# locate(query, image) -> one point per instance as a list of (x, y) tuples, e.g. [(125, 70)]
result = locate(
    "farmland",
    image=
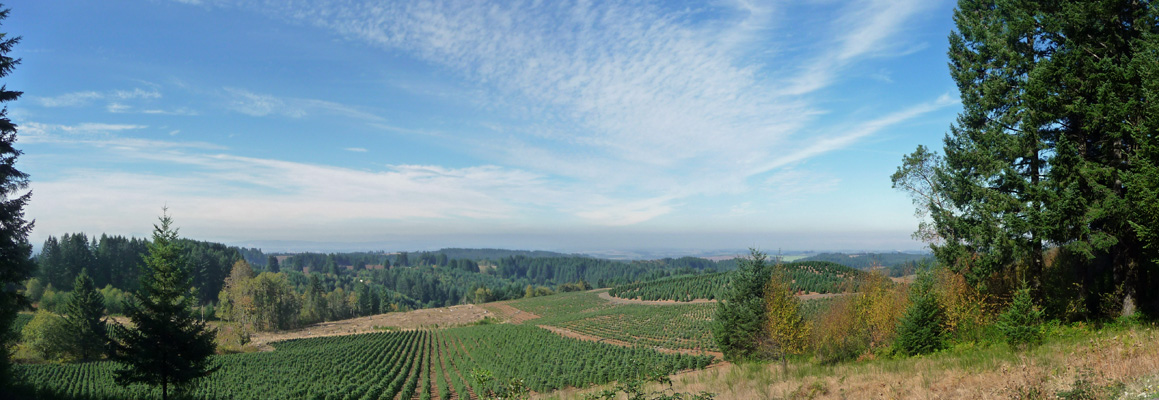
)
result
[(423, 363), (807, 277), (676, 326)]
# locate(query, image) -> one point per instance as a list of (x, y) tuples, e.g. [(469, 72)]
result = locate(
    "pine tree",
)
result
[(83, 316), (168, 345), (15, 252), (922, 327), (740, 322)]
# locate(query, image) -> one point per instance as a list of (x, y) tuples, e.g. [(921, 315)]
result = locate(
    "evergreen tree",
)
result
[(922, 327), (272, 264), (365, 302), (15, 252), (740, 322), (83, 316), (1051, 147), (1021, 324), (168, 344)]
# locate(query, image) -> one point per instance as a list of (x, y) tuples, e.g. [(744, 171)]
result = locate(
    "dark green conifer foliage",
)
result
[(1054, 147), (741, 319), (168, 345), (83, 317), (272, 264), (922, 327), (15, 252), (1021, 324)]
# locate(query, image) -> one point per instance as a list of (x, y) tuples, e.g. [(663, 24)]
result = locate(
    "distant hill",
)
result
[(865, 261), (495, 254)]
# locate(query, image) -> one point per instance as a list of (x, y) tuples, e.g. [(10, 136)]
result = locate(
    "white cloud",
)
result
[(262, 105), (866, 28), (78, 99), (356, 149), (244, 195), (70, 99), (623, 97)]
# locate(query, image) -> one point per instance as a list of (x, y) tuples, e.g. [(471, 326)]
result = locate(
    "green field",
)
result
[(805, 276), (423, 364)]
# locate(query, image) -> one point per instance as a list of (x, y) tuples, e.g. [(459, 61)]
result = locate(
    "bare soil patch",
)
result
[(508, 313), (417, 319)]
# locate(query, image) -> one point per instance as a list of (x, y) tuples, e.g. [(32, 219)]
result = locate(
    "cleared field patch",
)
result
[(418, 319)]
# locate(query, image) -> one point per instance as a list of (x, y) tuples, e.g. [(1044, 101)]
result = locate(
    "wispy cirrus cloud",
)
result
[(77, 99), (262, 105), (644, 104)]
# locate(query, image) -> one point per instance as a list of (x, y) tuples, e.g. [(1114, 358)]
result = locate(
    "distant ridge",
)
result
[(495, 254)]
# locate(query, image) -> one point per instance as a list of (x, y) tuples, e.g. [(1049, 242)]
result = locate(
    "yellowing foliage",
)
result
[(787, 333)]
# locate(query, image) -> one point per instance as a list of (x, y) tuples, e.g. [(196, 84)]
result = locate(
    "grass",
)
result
[(1076, 362)]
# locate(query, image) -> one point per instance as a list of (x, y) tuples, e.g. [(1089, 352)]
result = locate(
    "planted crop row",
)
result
[(546, 361), (389, 365), (679, 327)]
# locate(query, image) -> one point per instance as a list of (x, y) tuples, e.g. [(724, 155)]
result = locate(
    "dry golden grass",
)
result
[(1128, 357)]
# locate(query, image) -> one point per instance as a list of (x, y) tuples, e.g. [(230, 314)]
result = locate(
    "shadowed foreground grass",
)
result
[(1076, 363)]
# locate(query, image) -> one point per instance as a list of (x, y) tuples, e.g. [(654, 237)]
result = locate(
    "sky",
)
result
[(555, 125)]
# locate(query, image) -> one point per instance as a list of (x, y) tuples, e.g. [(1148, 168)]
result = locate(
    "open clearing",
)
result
[(425, 318)]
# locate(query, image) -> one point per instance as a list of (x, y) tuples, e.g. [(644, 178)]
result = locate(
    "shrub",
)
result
[(46, 336), (1021, 322), (859, 323)]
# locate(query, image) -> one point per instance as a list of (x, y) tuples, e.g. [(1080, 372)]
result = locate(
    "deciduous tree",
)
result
[(787, 331)]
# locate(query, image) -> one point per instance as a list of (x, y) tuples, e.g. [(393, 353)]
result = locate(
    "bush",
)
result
[(1021, 323), (860, 323), (46, 336)]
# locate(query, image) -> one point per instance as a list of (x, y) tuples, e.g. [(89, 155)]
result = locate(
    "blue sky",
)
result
[(520, 124)]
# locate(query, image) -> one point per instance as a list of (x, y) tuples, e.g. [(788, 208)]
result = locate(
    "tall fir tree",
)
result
[(168, 344), (16, 264), (84, 314), (740, 323), (1143, 181), (1053, 146), (996, 154), (1093, 85)]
